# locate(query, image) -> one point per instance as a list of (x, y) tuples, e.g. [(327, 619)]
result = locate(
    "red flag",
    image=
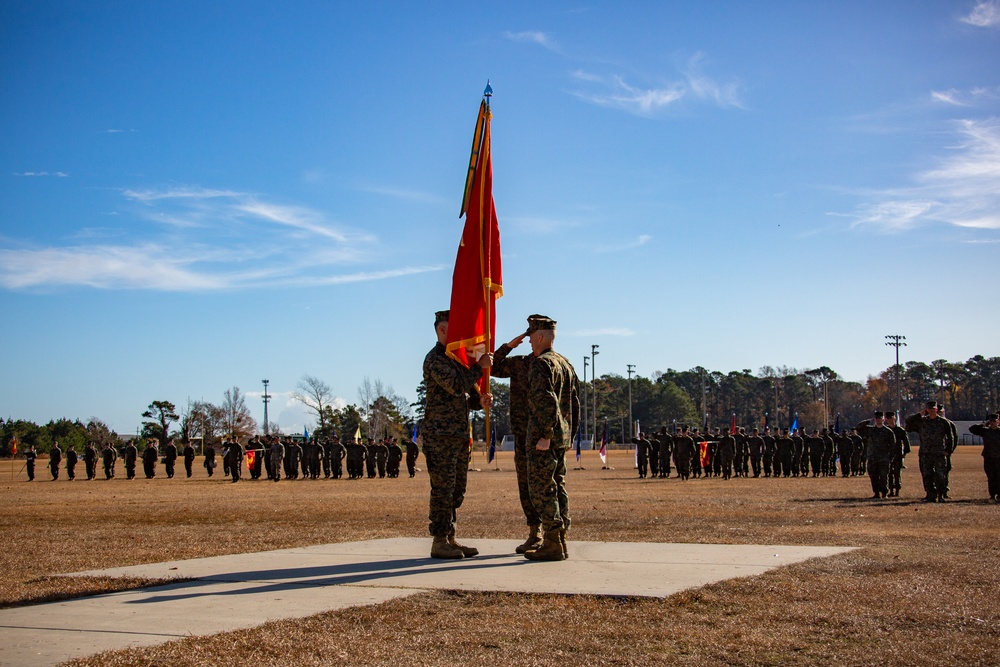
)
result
[(251, 457), (732, 424), (13, 446), (477, 281), (703, 453)]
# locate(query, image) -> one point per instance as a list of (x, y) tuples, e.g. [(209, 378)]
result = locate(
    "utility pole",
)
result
[(267, 399), (896, 341), (586, 424), (631, 423), (593, 380)]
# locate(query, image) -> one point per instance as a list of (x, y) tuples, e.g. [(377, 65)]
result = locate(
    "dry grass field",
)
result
[(924, 589)]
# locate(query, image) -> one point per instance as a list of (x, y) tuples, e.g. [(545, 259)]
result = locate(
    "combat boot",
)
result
[(441, 548), (562, 543), (551, 548), (533, 542), (468, 552)]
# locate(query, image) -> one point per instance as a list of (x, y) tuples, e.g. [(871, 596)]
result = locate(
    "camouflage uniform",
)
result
[(445, 430), (55, 458), (516, 368), (684, 450), (131, 456), (783, 456), (769, 450), (277, 456), (882, 446), (412, 451), (90, 460), (641, 454), (666, 449), (553, 413), (188, 459), (149, 458), (896, 465), (726, 454), (991, 457), (755, 447), (71, 459), (395, 456), (169, 458), (936, 443)]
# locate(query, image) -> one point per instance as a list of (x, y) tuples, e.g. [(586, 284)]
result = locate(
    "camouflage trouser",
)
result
[(642, 463), (664, 461), (683, 463), (547, 486), (894, 472), (725, 462), (934, 470), (784, 467), (878, 472), (992, 467), (447, 460), (523, 492)]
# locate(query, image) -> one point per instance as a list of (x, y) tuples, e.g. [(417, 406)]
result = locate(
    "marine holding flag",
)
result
[(451, 393), (458, 366)]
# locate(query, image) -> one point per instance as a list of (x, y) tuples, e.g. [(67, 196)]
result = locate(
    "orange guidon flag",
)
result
[(477, 282)]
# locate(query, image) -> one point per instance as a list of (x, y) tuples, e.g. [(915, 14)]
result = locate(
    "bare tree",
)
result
[(315, 395), (237, 420)]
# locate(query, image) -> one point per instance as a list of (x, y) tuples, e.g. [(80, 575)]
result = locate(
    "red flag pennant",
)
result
[(477, 282)]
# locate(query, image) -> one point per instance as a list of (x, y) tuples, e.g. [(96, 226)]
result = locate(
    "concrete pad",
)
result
[(246, 590)]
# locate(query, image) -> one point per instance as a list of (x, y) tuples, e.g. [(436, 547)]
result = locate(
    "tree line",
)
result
[(813, 398)]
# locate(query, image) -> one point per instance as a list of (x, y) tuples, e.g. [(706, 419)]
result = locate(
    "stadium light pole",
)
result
[(896, 341), (267, 398), (586, 424), (631, 424), (593, 379)]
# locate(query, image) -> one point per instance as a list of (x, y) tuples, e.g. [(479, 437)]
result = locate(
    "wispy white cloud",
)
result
[(641, 240), (986, 14), (57, 174), (608, 331), (534, 37), (962, 190), (966, 98), (615, 92), (202, 239), (138, 267), (948, 97)]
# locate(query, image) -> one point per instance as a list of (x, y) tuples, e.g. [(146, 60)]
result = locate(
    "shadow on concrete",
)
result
[(282, 579)]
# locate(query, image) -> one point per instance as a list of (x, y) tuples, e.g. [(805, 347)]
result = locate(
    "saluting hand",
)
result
[(514, 342)]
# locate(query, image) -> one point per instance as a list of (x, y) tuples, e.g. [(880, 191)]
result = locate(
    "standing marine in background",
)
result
[(900, 452), (55, 458), (936, 445), (990, 433), (131, 456), (188, 459)]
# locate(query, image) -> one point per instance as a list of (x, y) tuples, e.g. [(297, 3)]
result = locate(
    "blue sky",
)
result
[(195, 196)]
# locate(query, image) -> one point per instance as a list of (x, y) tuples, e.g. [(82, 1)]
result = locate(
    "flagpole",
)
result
[(487, 94)]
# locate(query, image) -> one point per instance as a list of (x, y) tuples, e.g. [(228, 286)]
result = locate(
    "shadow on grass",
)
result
[(888, 502), (101, 588), (372, 573)]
